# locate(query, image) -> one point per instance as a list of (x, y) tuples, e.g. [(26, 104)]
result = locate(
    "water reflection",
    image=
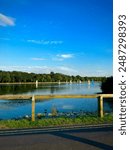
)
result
[(19, 108), (108, 103), (16, 89), (83, 88)]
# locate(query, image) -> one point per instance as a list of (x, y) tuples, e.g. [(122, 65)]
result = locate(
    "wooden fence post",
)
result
[(33, 108), (100, 106)]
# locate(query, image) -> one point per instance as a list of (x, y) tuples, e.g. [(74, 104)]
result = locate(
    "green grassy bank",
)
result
[(53, 122)]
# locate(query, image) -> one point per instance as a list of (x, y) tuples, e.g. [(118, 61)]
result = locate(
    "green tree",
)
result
[(6, 77), (52, 75), (107, 86)]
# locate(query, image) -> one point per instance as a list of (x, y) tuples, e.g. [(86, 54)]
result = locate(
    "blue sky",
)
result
[(68, 36)]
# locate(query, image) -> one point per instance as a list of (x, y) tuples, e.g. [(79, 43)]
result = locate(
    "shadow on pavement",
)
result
[(85, 141), (66, 134)]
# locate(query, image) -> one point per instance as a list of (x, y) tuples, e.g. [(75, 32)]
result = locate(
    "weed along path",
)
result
[(84, 138)]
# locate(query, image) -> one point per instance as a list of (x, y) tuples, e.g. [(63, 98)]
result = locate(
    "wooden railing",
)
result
[(44, 97)]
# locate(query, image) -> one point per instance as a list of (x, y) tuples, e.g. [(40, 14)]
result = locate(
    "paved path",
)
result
[(97, 138)]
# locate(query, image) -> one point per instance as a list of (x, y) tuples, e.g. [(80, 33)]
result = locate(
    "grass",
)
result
[(53, 122)]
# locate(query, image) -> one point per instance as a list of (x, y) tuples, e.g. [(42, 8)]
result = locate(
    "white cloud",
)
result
[(6, 20), (66, 69), (61, 57), (38, 59), (35, 69), (40, 69), (45, 42), (65, 56)]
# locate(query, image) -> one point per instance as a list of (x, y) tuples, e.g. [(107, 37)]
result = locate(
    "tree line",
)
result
[(17, 76)]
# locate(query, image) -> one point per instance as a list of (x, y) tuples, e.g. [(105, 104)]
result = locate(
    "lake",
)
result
[(10, 109)]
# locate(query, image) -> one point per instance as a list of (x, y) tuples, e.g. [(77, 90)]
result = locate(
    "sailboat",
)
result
[(36, 83), (59, 82), (70, 81), (80, 81), (89, 82)]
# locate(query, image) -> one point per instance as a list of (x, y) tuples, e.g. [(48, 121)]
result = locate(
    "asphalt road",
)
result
[(92, 138)]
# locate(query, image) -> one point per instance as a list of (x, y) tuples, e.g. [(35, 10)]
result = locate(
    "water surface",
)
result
[(18, 108)]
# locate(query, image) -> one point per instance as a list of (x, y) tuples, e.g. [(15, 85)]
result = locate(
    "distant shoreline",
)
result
[(42, 82), (32, 82)]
